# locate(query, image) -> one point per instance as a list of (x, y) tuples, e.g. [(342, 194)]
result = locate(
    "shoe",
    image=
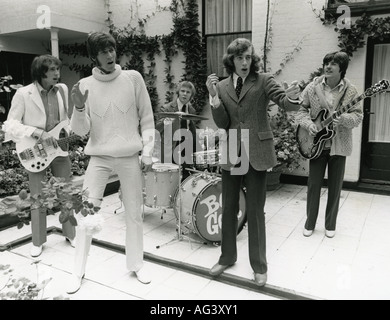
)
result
[(330, 233), (307, 233), (142, 276), (218, 269), (36, 251), (261, 279), (71, 241), (74, 284)]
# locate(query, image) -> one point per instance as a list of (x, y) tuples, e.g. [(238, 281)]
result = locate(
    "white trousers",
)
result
[(96, 178)]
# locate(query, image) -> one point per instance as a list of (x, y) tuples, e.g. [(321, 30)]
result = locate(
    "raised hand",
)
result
[(211, 82), (293, 91), (78, 98)]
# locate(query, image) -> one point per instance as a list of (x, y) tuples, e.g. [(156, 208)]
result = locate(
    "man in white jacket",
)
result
[(37, 109), (113, 106)]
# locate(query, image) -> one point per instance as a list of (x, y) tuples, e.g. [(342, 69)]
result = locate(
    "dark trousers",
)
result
[(317, 167), (60, 167), (256, 189)]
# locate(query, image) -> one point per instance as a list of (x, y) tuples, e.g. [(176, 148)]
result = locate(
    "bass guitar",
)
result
[(36, 155), (310, 147)]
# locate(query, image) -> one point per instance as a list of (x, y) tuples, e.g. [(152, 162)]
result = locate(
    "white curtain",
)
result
[(380, 104), (225, 16)]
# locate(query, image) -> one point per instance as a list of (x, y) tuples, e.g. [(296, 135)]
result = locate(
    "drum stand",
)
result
[(179, 236)]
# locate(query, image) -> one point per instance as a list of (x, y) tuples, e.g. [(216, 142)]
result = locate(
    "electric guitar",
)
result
[(310, 146), (36, 155)]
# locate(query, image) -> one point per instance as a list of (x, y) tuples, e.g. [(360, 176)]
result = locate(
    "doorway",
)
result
[(375, 160)]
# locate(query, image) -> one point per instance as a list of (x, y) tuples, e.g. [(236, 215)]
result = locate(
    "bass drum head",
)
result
[(207, 209)]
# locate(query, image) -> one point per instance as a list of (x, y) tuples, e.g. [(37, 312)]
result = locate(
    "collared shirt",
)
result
[(330, 94), (50, 102), (214, 101), (235, 77)]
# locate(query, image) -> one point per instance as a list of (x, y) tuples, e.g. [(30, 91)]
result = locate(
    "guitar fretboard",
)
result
[(64, 141), (343, 109)]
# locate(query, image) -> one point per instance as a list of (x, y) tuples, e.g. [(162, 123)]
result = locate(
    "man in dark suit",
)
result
[(168, 128), (239, 105)]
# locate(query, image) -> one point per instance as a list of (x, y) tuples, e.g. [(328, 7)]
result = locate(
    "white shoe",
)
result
[(330, 233), (36, 251), (143, 276), (71, 241), (74, 284), (307, 233)]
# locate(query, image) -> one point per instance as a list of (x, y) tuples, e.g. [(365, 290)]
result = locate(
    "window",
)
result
[(224, 21), (16, 65), (359, 6)]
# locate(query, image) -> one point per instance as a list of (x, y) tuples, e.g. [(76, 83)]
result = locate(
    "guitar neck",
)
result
[(343, 109), (64, 141)]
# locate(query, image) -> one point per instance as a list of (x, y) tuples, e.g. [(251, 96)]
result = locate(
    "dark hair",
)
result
[(41, 64), (238, 47), (99, 41), (339, 57), (186, 84)]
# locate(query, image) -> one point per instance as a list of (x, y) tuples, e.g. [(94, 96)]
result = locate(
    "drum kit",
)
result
[(196, 201)]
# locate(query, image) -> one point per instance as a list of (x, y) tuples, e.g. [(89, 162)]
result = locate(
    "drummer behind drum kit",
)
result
[(197, 201)]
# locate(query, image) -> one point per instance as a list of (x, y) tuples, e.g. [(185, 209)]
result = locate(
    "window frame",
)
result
[(205, 36), (358, 8)]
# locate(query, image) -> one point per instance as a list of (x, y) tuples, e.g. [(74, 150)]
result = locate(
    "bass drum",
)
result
[(201, 206)]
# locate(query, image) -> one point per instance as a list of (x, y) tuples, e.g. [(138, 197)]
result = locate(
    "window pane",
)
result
[(379, 130), (226, 16)]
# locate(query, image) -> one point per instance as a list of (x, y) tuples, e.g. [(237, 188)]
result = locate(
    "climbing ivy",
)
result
[(134, 44)]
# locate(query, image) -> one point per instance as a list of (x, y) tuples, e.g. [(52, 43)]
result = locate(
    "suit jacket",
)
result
[(28, 108), (173, 107), (250, 112)]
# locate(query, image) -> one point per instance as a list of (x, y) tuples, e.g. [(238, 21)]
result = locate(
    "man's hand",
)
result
[(293, 91), (336, 121), (211, 83), (78, 98), (146, 163), (313, 129), (40, 134)]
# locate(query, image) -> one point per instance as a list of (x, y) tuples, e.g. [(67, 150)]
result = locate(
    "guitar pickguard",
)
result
[(36, 156)]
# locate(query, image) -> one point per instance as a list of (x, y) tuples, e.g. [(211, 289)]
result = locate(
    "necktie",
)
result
[(183, 123), (239, 87)]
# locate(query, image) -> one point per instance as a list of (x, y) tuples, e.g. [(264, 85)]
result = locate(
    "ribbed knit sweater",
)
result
[(342, 141), (118, 114)]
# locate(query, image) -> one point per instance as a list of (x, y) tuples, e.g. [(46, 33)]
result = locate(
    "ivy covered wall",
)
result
[(160, 39)]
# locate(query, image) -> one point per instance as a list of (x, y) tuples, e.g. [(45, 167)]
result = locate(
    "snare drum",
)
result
[(204, 159), (160, 184), (201, 206)]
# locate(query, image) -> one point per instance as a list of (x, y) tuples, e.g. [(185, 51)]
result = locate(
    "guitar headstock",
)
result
[(378, 87)]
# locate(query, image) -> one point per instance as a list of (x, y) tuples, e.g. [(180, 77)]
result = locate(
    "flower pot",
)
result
[(273, 180)]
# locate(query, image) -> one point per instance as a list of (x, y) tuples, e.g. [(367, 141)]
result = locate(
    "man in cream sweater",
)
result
[(114, 107)]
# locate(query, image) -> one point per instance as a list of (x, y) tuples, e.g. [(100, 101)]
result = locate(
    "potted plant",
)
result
[(286, 148)]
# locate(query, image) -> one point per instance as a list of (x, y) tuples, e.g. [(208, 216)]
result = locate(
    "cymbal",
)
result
[(182, 115)]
